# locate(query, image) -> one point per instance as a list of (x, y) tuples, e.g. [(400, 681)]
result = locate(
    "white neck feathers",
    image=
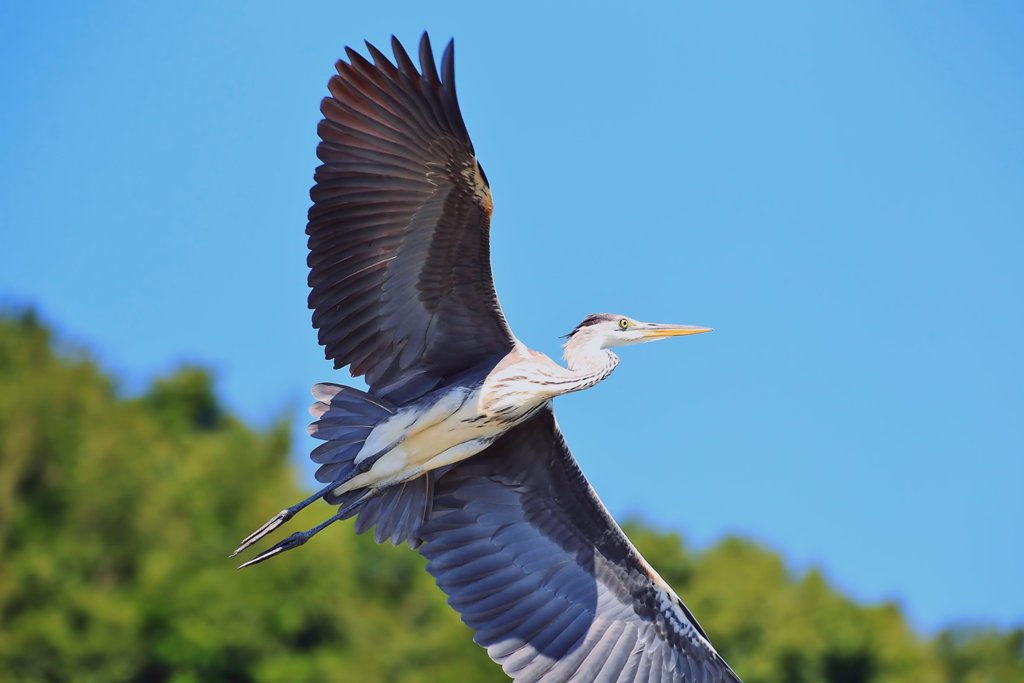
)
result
[(588, 361)]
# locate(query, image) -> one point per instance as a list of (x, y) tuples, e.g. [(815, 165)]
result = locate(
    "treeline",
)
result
[(116, 516)]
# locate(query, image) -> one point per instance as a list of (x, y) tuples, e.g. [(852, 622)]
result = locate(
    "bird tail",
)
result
[(345, 417), (396, 512)]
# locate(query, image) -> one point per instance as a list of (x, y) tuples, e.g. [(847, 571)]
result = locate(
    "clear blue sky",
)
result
[(837, 188)]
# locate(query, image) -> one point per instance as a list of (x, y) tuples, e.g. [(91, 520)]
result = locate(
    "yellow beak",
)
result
[(654, 331)]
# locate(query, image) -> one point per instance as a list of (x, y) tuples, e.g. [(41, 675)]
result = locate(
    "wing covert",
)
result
[(399, 253), (533, 562)]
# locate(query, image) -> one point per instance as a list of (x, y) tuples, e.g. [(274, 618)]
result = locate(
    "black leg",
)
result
[(300, 537), (280, 518)]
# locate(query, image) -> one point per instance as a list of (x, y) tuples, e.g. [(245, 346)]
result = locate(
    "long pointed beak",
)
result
[(656, 331)]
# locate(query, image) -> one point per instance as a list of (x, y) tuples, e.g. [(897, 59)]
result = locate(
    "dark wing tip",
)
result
[(448, 66), (405, 63), (380, 60), (427, 65)]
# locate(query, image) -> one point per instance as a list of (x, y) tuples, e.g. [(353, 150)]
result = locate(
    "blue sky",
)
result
[(838, 189)]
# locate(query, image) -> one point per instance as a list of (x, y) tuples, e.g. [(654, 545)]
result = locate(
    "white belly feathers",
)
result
[(458, 425)]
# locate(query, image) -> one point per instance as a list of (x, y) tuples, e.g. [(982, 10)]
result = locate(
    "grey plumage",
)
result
[(535, 564), (397, 514), (455, 448), (399, 229), (345, 417)]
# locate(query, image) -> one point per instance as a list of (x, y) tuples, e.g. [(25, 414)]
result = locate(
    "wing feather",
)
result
[(399, 256), (555, 591)]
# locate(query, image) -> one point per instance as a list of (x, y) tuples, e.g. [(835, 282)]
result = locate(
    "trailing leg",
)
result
[(345, 417), (280, 518), (300, 537)]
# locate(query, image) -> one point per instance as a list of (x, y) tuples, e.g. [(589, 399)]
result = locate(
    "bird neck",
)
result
[(588, 363)]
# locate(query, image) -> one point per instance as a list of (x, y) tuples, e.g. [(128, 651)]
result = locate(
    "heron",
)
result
[(454, 449)]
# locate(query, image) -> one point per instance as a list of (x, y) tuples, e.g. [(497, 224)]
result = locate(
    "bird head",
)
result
[(607, 330)]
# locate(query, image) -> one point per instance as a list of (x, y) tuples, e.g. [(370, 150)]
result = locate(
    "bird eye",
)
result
[(624, 324)]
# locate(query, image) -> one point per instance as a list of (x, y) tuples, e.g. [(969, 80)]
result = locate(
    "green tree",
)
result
[(972, 655), (116, 516)]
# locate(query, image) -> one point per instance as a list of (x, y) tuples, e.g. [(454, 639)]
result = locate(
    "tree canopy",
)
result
[(117, 514)]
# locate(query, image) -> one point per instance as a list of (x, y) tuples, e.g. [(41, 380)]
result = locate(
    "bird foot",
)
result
[(271, 524), (293, 541), (280, 518), (299, 537)]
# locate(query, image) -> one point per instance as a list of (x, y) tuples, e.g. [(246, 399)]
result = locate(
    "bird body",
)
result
[(455, 449), (449, 427), (458, 421)]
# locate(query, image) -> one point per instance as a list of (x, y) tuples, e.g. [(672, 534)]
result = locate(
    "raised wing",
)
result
[(399, 251), (533, 562)]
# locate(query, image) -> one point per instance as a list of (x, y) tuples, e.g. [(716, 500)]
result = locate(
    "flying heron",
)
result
[(455, 449)]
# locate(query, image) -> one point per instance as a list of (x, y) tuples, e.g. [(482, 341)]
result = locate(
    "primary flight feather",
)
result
[(455, 448)]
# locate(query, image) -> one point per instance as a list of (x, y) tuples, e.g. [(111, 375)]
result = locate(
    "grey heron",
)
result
[(455, 449)]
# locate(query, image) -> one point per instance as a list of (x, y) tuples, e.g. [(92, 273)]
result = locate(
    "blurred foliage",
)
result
[(116, 517)]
